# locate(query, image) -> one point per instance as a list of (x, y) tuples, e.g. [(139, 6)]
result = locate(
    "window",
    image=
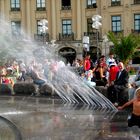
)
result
[(39, 27), (66, 4), (16, 28), (115, 2), (91, 4), (40, 5), (89, 25), (66, 27), (136, 1), (116, 23), (15, 5), (42, 34), (137, 22)]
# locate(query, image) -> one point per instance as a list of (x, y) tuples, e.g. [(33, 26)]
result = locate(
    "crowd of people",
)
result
[(115, 77), (106, 72), (34, 72), (110, 73)]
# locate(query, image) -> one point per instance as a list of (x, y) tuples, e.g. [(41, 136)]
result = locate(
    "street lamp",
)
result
[(105, 40), (44, 27), (96, 25)]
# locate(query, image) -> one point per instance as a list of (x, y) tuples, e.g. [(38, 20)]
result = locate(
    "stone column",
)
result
[(2, 9), (28, 18), (53, 8), (78, 20)]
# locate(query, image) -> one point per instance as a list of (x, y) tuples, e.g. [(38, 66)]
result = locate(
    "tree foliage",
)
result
[(124, 46)]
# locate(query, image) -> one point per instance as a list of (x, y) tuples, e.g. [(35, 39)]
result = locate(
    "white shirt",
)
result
[(110, 60), (119, 74)]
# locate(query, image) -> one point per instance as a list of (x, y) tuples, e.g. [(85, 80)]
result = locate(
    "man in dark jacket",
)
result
[(118, 91)]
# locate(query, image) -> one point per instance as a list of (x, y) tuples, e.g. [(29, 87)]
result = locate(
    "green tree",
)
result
[(124, 46)]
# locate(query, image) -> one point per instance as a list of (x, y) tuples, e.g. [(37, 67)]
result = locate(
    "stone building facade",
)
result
[(71, 20)]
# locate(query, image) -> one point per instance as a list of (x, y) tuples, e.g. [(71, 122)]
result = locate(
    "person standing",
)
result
[(135, 116), (111, 59), (22, 70), (87, 63)]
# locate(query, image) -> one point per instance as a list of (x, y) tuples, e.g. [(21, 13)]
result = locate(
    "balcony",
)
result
[(66, 7), (90, 34), (118, 33), (116, 3), (15, 9), (41, 37), (136, 1), (92, 37), (135, 31), (66, 37), (17, 36), (41, 9), (92, 6)]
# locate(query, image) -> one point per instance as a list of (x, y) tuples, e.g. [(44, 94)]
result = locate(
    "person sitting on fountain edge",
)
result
[(118, 90), (37, 79), (135, 116)]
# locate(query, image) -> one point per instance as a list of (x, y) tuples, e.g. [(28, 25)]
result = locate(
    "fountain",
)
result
[(66, 83)]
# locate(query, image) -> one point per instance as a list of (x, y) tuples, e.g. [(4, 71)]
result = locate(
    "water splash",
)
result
[(66, 83)]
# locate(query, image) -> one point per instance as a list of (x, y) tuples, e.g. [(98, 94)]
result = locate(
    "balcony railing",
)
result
[(115, 3), (41, 37), (136, 1), (93, 37), (66, 37), (15, 9), (135, 31), (66, 7), (89, 33), (40, 8), (17, 35), (118, 33), (92, 6)]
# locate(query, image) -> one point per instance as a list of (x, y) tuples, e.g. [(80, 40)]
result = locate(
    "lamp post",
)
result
[(96, 25), (105, 40), (44, 27)]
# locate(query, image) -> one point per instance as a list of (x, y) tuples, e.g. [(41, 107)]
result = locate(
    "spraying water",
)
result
[(66, 83)]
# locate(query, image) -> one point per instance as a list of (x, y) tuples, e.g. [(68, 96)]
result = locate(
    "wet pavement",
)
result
[(41, 118)]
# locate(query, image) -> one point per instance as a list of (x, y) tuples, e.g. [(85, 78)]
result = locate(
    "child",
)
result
[(135, 117)]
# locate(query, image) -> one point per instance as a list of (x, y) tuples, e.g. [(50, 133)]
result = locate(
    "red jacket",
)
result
[(112, 73), (86, 64)]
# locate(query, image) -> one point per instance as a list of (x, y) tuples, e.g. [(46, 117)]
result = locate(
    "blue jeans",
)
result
[(39, 82)]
